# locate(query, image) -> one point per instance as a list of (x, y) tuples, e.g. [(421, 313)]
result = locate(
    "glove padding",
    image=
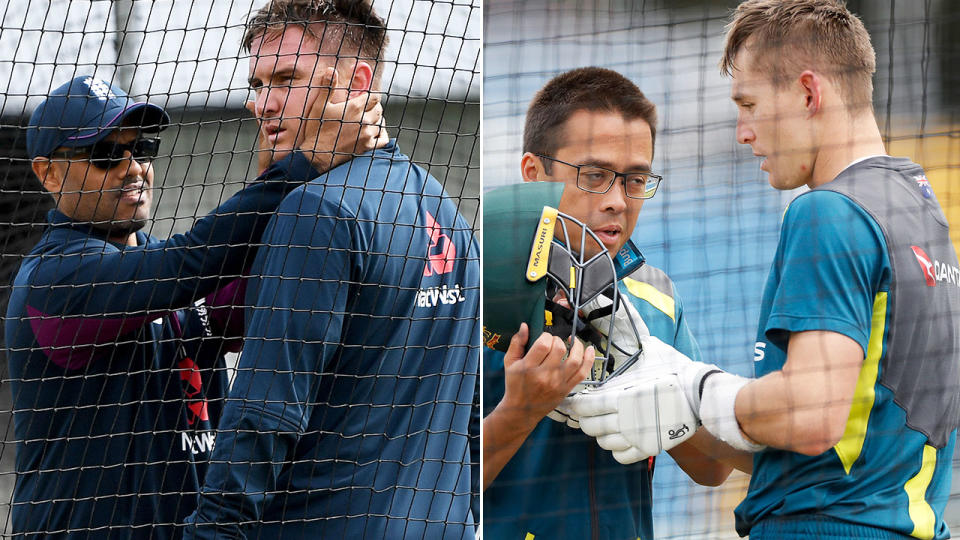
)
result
[(636, 417), (644, 410), (627, 326), (564, 415), (659, 360)]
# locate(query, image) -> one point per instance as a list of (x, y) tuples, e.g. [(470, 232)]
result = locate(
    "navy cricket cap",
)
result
[(84, 111)]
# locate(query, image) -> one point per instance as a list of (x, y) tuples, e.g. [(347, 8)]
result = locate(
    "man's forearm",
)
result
[(803, 407), (504, 431), (773, 411), (702, 467), (148, 280), (704, 443)]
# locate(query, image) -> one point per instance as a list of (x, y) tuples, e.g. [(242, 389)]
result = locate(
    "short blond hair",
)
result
[(789, 36)]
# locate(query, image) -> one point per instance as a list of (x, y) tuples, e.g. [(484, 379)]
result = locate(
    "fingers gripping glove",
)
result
[(636, 417)]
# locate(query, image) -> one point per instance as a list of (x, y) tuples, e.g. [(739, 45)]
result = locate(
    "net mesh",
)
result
[(360, 348), (714, 225)]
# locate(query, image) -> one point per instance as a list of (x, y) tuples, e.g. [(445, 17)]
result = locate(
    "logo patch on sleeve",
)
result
[(924, 185)]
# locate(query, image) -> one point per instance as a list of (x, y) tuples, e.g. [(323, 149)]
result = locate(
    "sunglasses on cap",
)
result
[(108, 154)]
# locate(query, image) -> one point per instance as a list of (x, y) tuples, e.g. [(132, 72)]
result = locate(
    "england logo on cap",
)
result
[(99, 88)]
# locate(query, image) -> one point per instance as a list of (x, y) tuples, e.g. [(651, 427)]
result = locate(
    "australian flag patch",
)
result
[(924, 184)]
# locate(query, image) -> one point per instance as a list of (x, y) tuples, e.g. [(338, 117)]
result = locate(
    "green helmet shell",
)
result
[(510, 222)]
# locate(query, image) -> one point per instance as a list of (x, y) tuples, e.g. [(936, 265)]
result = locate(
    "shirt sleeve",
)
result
[(298, 301), (91, 292), (683, 340), (828, 268)]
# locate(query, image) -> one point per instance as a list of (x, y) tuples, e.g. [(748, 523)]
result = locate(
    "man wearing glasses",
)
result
[(116, 362), (593, 130)]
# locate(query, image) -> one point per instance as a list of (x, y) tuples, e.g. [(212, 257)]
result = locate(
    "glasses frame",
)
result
[(106, 155), (616, 175)]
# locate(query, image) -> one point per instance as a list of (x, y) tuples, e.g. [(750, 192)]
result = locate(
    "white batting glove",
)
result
[(636, 417), (651, 407), (712, 392), (659, 359), (564, 415)]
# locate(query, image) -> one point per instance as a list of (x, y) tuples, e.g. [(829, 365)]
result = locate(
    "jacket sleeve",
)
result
[(298, 299), (225, 310), (91, 292)]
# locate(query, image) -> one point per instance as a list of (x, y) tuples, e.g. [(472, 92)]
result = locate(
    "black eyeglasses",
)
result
[(593, 179), (108, 154)]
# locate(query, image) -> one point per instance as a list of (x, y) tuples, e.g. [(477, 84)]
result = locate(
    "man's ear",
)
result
[(531, 168), (49, 176), (362, 79), (812, 87)]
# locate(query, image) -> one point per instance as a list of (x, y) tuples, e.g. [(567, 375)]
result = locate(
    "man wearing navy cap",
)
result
[(68, 125), (114, 338)]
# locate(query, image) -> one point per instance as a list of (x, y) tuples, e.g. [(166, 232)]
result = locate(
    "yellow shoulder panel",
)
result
[(657, 299)]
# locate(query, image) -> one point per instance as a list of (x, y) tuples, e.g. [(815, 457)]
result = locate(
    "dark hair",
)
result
[(590, 89), (787, 37), (362, 34)]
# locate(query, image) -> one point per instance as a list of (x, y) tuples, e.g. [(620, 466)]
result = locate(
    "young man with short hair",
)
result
[(116, 360), (594, 131), (852, 418), (351, 415)]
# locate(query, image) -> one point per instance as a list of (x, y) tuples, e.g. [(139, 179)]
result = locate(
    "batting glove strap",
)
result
[(717, 409)]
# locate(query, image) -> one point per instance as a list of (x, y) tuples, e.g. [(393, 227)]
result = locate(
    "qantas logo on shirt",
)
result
[(201, 308), (926, 264), (935, 271), (442, 252)]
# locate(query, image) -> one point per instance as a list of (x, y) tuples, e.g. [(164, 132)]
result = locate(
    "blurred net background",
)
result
[(714, 224), (186, 57)]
